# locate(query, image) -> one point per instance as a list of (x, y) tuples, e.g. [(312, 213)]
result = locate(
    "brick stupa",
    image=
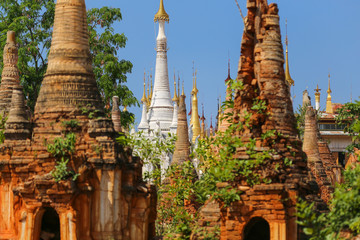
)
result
[(108, 200), (10, 73), (266, 210), (182, 144)]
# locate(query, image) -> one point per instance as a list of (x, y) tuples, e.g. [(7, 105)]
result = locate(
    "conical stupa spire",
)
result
[(329, 108), (182, 145), (69, 82), (195, 113), (151, 86), (10, 73), (311, 148), (144, 99), (175, 98), (161, 109), (17, 126)]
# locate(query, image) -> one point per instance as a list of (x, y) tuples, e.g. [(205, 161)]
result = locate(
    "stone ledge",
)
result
[(20, 161), (270, 187)]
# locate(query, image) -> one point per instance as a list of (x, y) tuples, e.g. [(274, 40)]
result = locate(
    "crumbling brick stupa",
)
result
[(265, 211), (108, 200)]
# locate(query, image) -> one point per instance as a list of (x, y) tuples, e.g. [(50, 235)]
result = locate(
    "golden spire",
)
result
[(161, 14), (148, 93), (195, 90), (329, 108), (144, 98), (182, 91), (288, 78), (151, 85), (192, 96), (125, 109), (175, 98), (195, 112)]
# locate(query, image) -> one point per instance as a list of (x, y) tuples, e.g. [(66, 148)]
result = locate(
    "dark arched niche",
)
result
[(257, 229), (50, 225)]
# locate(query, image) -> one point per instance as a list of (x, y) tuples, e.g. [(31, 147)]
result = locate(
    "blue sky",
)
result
[(323, 38)]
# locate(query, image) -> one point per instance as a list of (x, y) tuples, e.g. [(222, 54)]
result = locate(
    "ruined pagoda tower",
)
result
[(161, 108), (264, 121), (101, 195), (195, 121)]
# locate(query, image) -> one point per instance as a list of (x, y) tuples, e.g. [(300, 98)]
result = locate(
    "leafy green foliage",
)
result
[(33, 20), (174, 197), (71, 124), (92, 113), (220, 171), (151, 151), (105, 43), (344, 211), (348, 115), (61, 171), (259, 106), (63, 146), (62, 149)]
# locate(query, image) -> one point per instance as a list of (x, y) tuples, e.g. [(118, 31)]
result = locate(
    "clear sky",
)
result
[(323, 38)]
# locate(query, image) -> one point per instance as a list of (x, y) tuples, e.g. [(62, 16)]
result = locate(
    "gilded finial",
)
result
[(125, 108), (175, 98), (182, 91), (195, 90), (144, 98), (329, 108), (161, 14), (288, 78), (317, 88)]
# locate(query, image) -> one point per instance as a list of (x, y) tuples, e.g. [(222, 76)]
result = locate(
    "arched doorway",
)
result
[(50, 225), (257, 229)]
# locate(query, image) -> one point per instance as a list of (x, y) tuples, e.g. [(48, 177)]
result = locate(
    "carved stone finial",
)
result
[(10, 74), (116, 115)]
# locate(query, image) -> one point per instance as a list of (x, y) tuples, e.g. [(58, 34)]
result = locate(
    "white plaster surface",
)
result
[(161, 108)]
